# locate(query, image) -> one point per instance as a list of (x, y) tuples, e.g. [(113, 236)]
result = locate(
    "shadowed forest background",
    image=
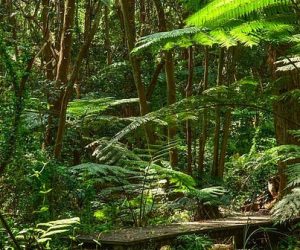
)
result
[(130, 113)]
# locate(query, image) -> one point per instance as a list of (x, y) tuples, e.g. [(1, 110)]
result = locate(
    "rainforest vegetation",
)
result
[(133, 113)]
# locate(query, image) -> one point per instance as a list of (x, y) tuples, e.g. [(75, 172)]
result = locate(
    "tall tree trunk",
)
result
[(63, 67), (170, 75), (128, 10), (154, 80), (224, 144), (203, 135), (48, 57), (189, 92), (107, 43), (60, 8), (142, 17), (218, 117), (70, 83), (231, 73)]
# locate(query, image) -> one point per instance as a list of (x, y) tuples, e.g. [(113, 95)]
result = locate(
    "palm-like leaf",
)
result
[(219, 11)]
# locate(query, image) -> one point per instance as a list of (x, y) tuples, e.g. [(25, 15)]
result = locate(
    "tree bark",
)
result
[(154, 80), (48, 58), (203, 135), (224, 144), (231, 73), (142, 17), (63, 68), (189, 92), (107, 43), (218, 117), (170, 75), (70, 83), (128, 11)]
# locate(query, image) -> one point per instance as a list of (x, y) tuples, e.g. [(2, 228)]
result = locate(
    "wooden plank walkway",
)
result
[(135, 235), (132, 238)]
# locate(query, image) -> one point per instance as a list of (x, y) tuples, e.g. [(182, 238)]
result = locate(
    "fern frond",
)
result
[(178, 178), (163, 38), (208, 194), (293, 174), (251, 33), (288, 207), (94, 169), (240, 93), (247, 33), (219, 11), (291, 63), (92, 106)]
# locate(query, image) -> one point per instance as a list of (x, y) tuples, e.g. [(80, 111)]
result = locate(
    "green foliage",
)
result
[(220, 11), (239, 94), (194, 242), (288, 207), (290, 63), (249, 34), (84, 107), (210, 195), (103, 174), (42, 234)]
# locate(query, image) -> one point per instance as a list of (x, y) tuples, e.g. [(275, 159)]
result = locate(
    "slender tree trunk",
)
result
[(142, 17), (218, 116), (154, 80), (9, 231), (107, 42), (224, 144), (189, 92), (87, 28), (203, 135), (170, 75), (231, 72), (128, 10), (60, 8), (48, 57)]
